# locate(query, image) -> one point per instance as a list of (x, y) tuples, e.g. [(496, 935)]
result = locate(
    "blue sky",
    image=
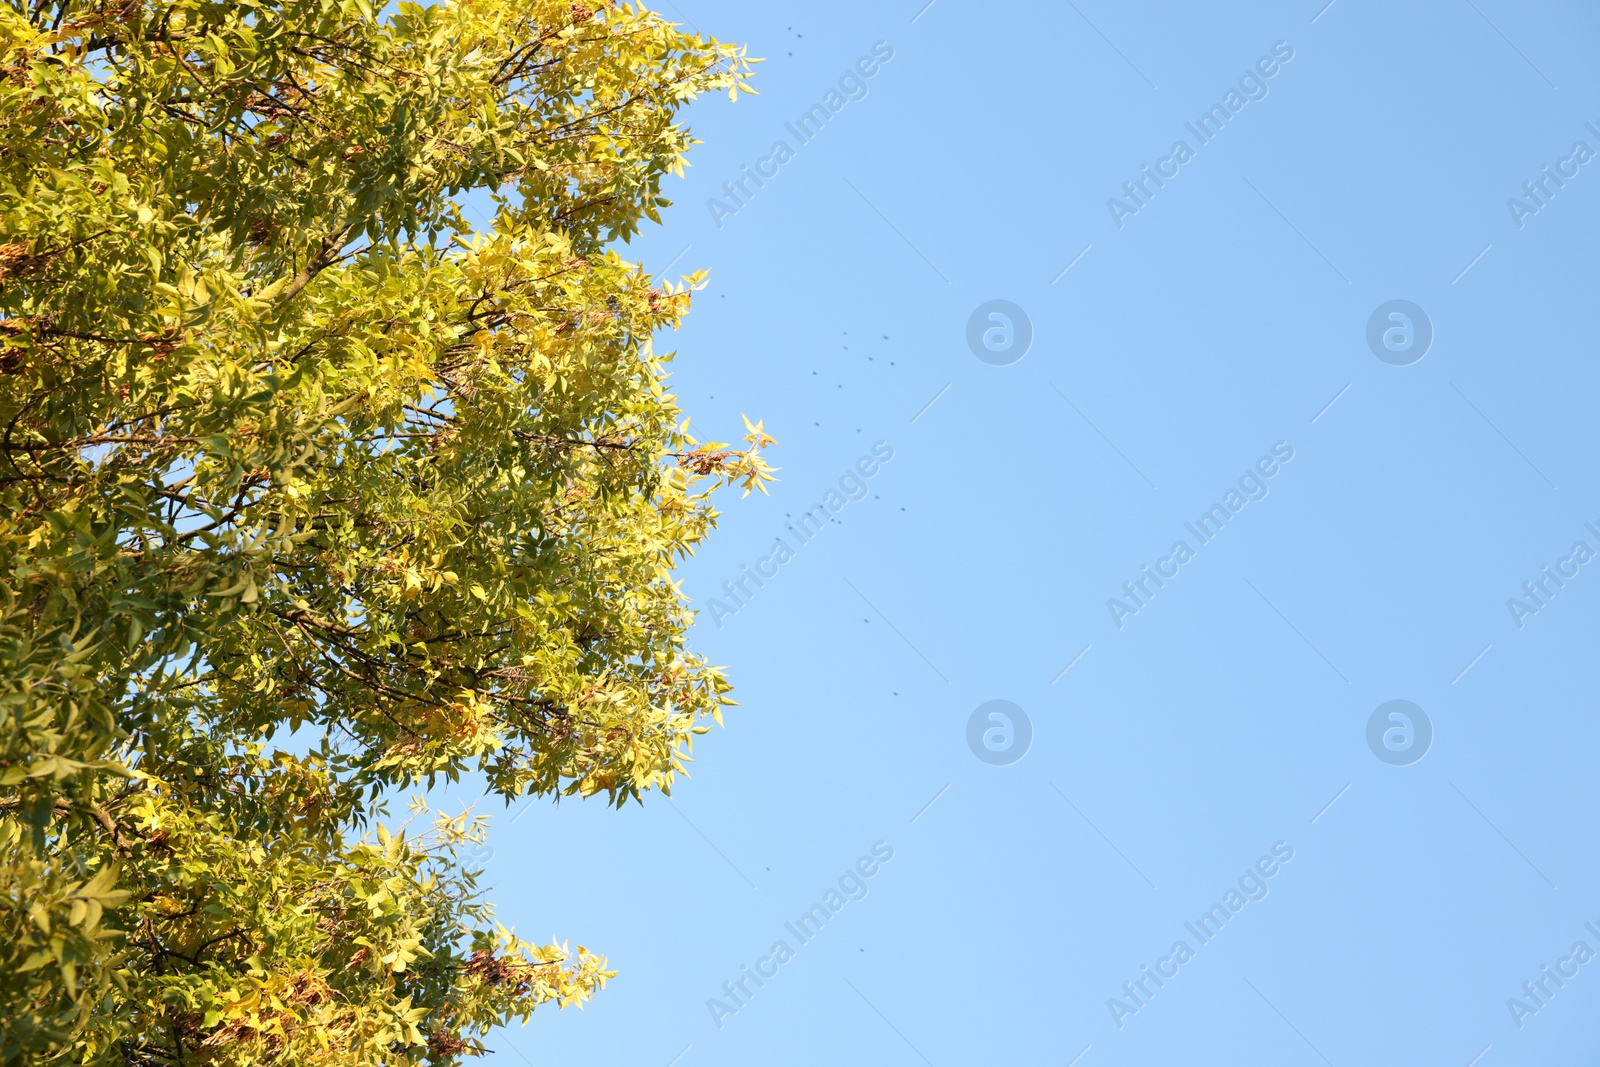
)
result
[(1178, 353)]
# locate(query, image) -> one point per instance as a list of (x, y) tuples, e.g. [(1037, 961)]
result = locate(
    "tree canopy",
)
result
[(312, 492)]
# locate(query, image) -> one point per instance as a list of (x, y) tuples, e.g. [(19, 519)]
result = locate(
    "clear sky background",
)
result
[(1229, 714)]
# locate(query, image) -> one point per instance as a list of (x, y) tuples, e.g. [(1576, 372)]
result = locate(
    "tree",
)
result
[(311, 493)]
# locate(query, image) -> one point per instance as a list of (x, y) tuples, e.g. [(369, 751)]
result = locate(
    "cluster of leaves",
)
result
[(310, 491)]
